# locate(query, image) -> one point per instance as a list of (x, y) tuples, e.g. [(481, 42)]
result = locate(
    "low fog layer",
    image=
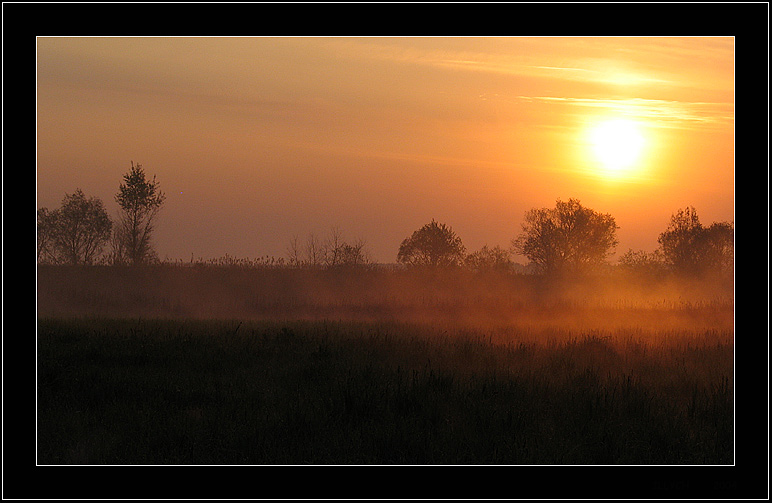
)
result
[(457, 298)]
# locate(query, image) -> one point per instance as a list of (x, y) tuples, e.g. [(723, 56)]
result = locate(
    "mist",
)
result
[(455, 298)]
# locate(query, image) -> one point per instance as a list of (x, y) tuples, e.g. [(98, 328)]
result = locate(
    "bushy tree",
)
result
[(691, 249), (140, 201), (75, 233), (489, 259), (433, 245), (568, 238), (642, 262)]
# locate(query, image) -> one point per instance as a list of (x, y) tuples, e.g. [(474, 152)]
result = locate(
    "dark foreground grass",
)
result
[(223, 392)]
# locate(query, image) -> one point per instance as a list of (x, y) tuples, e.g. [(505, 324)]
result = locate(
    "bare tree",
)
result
[(314, 251), (293, 253), (334, 251), (333, 248), (354, 254)]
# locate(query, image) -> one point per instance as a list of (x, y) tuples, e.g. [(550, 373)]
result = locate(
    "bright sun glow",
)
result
[(617, 145)]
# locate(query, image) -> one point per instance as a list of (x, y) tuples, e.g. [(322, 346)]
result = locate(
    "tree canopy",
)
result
[(140, 200), (433, 245), (568, 238), (691, 249), (75, 233), (487, 259)]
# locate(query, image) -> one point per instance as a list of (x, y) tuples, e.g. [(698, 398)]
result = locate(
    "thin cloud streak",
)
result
[(614, 61), (663, 113)]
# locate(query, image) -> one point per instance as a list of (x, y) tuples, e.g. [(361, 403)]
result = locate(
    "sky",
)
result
[(256, 140)]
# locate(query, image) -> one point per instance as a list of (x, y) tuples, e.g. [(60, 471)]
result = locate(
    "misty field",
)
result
[(207, 365)]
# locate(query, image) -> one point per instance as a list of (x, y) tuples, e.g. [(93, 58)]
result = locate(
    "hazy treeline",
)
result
[(568, 239)]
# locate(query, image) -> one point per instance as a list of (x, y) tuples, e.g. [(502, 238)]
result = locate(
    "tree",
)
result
[(314, 251), (340, 253), (354, 255), (333, 252), (332, 248), (76, 232), (433, 245), (46, 230), (568, 238), (293, 253), (691, 249), (643, 263), (718, 251), (140, 201), (489, 259)]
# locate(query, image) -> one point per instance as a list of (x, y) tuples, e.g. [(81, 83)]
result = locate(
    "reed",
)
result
[(171, 391)]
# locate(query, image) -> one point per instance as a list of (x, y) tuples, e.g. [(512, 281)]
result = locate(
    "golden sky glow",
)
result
[(255, 140)]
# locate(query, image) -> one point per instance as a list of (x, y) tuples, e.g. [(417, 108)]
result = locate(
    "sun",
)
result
[(617, 145)]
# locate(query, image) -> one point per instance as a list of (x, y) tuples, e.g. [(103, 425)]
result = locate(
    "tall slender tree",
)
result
[(140, 201)]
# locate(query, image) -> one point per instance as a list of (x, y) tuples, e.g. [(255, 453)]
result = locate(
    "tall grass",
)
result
[(153, 391)]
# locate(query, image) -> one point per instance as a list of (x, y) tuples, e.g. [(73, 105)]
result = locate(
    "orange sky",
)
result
[(255, 140)]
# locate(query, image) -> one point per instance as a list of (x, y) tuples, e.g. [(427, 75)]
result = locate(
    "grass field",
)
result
[(254, 367)]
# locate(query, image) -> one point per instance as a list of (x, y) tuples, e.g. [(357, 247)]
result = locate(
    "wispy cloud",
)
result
[(583, 70), (663, 113)]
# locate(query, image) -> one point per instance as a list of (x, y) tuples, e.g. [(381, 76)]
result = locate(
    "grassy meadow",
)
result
[(173, 365)]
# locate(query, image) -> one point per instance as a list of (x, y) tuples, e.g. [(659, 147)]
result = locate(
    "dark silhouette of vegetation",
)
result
[(487, 259), (687, 249), (691, 249), (643, 263), (433, 245), (218, 392), (75, 233), (339, 253), (444, 358), (333, 252), (140, 200), (566, 239)]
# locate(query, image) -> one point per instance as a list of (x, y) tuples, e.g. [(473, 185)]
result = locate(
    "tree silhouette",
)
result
[(46, 231), (489, 259), (140, 200), (333, 252), (433, 245), (643, 263), (691, 249), (568, 238), (75, 233)]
